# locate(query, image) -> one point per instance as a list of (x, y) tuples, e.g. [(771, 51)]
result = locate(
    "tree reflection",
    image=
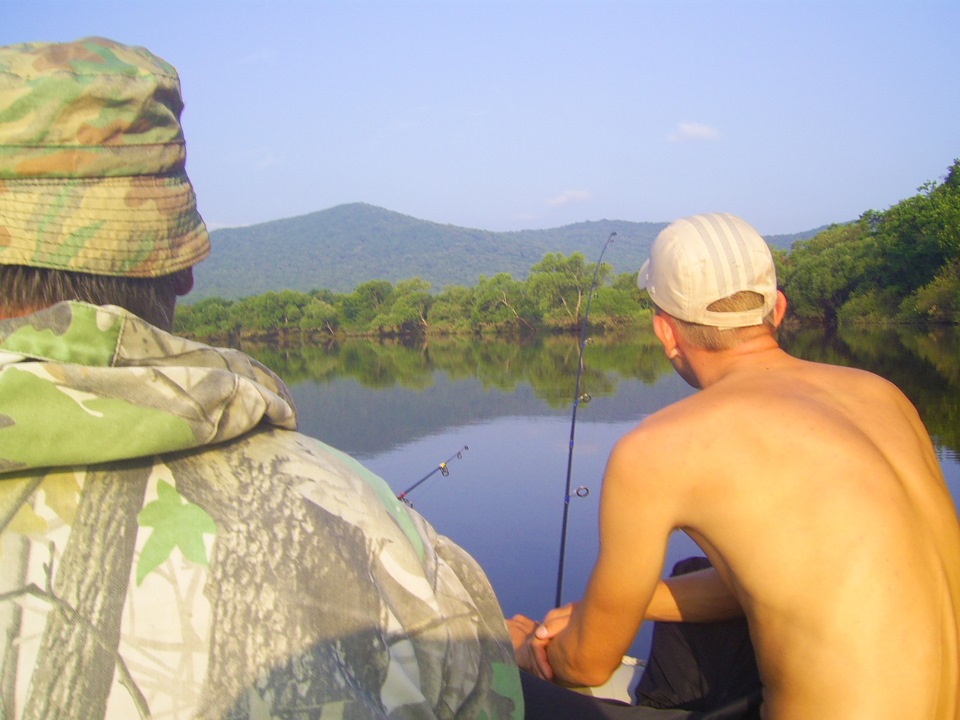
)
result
[(925, 364)]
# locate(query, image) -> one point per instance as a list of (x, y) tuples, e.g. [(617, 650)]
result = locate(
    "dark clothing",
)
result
[(702, 671), (546, 701)]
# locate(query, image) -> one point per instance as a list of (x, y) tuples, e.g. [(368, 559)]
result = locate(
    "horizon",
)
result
[(511, 115), (520, 230)]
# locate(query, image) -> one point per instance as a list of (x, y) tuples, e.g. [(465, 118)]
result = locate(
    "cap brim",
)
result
[(643, 277)]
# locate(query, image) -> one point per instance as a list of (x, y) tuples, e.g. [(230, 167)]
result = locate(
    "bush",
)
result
[(874, 307), (939, 300)]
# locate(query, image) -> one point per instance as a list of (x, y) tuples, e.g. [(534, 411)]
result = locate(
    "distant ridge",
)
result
[(339, 248)]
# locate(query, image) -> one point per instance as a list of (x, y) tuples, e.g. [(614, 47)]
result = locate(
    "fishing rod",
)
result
[(577, 397), (442, 468)]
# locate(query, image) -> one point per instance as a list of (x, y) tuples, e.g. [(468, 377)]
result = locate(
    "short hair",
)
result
[(712, 338), (26, 289)]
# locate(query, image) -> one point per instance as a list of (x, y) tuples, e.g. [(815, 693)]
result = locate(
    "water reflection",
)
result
[(403, 409), (460, 380)]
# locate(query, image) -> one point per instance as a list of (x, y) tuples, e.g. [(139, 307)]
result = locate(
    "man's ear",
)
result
[(666, 334), (779, 309), (183, 281)]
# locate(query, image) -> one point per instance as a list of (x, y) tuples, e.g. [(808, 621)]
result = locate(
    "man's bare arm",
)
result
[(636, 518), (643, 499), (700, 596)]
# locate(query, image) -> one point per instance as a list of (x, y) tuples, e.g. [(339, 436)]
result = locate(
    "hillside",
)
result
[(339, 248)]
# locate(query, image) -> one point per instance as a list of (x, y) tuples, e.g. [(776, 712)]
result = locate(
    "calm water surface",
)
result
[(402, 411)]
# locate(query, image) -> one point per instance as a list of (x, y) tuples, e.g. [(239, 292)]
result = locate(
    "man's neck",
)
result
[(713, 366)]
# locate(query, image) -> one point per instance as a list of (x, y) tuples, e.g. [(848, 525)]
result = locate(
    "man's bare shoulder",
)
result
[(668, 425), (835, 391), (663, 445), (790, 384)]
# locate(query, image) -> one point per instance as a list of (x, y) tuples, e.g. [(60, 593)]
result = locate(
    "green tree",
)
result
[(918, 236), (560, 287), (615, 307), (359, 308), (319, 315), (821, 274), (271, 311), (451, 310), (939, 300), (208, 317), (261, 313), (407, 309), (502, 302), (628, 283)]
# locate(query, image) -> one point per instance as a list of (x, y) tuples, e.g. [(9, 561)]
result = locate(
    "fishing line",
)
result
[(577, 398), (443, 468)]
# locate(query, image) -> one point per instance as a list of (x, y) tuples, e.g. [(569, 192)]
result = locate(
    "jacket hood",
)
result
[(82, 384)]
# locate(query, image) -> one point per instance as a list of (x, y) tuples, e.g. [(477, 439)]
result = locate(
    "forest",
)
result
[(900, 265)]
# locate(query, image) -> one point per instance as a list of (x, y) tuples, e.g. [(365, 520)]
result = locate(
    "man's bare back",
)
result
[(838, 535), (814, 490)]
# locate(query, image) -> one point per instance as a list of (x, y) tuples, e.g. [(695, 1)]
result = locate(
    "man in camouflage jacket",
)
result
[(170, 546)]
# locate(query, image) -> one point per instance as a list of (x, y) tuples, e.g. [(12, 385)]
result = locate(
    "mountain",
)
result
[(339, 248)]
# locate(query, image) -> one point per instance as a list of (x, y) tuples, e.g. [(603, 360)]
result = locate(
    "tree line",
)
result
[(552, 298), (899, 265)]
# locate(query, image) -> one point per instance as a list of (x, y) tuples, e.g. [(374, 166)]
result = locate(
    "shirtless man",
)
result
[(814, 491)]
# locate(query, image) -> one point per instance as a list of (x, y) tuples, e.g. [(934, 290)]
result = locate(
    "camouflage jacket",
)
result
[(171, 547)]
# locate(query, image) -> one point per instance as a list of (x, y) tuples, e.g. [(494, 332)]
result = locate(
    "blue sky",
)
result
[(532, 114)]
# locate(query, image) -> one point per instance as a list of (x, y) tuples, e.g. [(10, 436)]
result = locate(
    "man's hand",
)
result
[(555, 622), (530, 639), (530, 651)]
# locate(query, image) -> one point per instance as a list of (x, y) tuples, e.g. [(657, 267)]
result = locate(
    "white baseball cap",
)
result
[(700, 259)]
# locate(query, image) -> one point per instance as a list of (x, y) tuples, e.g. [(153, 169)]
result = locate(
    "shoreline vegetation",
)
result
[(898, 266)]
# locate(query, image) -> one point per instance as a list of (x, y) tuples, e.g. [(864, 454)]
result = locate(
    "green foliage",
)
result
[(872, 306), (206, 318), (628, 283), (900, 265), (452, 309), (405, 310), (319, 316), (559, 286), (360, 307), (554, 297), (939, 300), (501, 302), (614, 307), (820, 274), (893, 266)]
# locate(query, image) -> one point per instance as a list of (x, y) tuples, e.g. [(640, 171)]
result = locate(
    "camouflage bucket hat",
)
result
[(93, 162)]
